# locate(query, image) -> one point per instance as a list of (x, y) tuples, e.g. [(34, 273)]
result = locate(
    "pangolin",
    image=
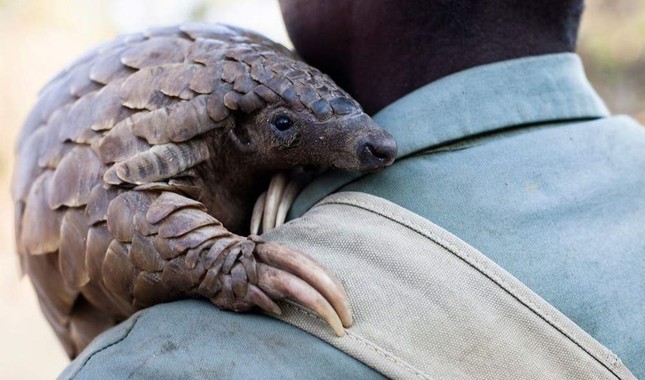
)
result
[(138, 168)]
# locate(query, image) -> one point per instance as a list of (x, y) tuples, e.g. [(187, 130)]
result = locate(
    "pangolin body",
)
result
[(135, 158)]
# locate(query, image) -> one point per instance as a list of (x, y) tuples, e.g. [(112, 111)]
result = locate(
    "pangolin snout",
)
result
[(359, 144), (376, 151)]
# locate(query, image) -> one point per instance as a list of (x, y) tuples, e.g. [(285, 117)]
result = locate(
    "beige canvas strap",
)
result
[(428, 305)]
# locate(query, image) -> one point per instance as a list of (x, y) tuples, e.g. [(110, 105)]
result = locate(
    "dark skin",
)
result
[(380, 50)]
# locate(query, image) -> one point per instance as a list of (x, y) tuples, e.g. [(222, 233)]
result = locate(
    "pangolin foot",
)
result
[(252, 273)]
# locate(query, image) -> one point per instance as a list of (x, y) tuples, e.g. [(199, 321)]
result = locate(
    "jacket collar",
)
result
[(483, 99)]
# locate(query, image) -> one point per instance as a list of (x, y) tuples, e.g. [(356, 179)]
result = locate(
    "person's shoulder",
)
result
[(617, 125), (195, 339), (625, 121), (620, 132)]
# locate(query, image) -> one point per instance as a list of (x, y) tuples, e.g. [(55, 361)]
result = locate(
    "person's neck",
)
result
[(380, 58), (377, 75)]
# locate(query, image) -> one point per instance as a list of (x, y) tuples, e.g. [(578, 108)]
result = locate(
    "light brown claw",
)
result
[(288, 197), (274, 194), (272, 206), (256, 216), (252, 273), (257, 297), (304, 267), (280, 284)]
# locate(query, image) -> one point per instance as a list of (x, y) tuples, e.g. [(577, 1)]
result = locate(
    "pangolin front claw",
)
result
[(279, 284), (257, 273), (306, 268)]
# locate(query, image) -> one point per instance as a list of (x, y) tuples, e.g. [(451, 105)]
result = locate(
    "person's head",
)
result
[(379, 50)]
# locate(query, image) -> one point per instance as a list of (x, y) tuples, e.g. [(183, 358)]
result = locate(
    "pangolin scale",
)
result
[(139, 153)]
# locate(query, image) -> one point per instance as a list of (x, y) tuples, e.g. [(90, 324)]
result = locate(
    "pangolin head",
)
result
[(289, 114)]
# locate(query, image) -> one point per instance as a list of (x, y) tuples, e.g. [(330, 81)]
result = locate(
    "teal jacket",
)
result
[(520, 159)]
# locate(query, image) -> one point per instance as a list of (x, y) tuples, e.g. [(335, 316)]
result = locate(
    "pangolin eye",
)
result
[(282, 123)]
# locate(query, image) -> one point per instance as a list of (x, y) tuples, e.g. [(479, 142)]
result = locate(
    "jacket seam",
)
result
[(127, 333)]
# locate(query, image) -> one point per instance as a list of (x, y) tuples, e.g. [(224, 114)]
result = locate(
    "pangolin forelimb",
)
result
[(187, 252), (135, 156)]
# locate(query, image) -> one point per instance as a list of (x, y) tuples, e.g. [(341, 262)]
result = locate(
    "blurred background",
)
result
[(38, 38)]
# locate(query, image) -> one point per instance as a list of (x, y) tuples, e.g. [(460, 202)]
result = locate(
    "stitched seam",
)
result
[(80, 368), (387, 355), (508, 288)]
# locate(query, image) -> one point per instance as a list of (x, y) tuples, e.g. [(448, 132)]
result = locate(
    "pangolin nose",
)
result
[(378, 152)]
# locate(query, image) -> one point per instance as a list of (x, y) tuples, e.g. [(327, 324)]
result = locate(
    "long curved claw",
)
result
[(251, 272), (274, 194), (257, 297), (271, 207), (302, 266), (280, 284), (288, 197), (258, 209)]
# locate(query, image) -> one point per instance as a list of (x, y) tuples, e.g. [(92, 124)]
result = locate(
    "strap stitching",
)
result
[(611, 358), (367, 343)]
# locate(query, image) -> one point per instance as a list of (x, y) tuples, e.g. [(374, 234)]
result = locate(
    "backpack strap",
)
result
[(427, 305)]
